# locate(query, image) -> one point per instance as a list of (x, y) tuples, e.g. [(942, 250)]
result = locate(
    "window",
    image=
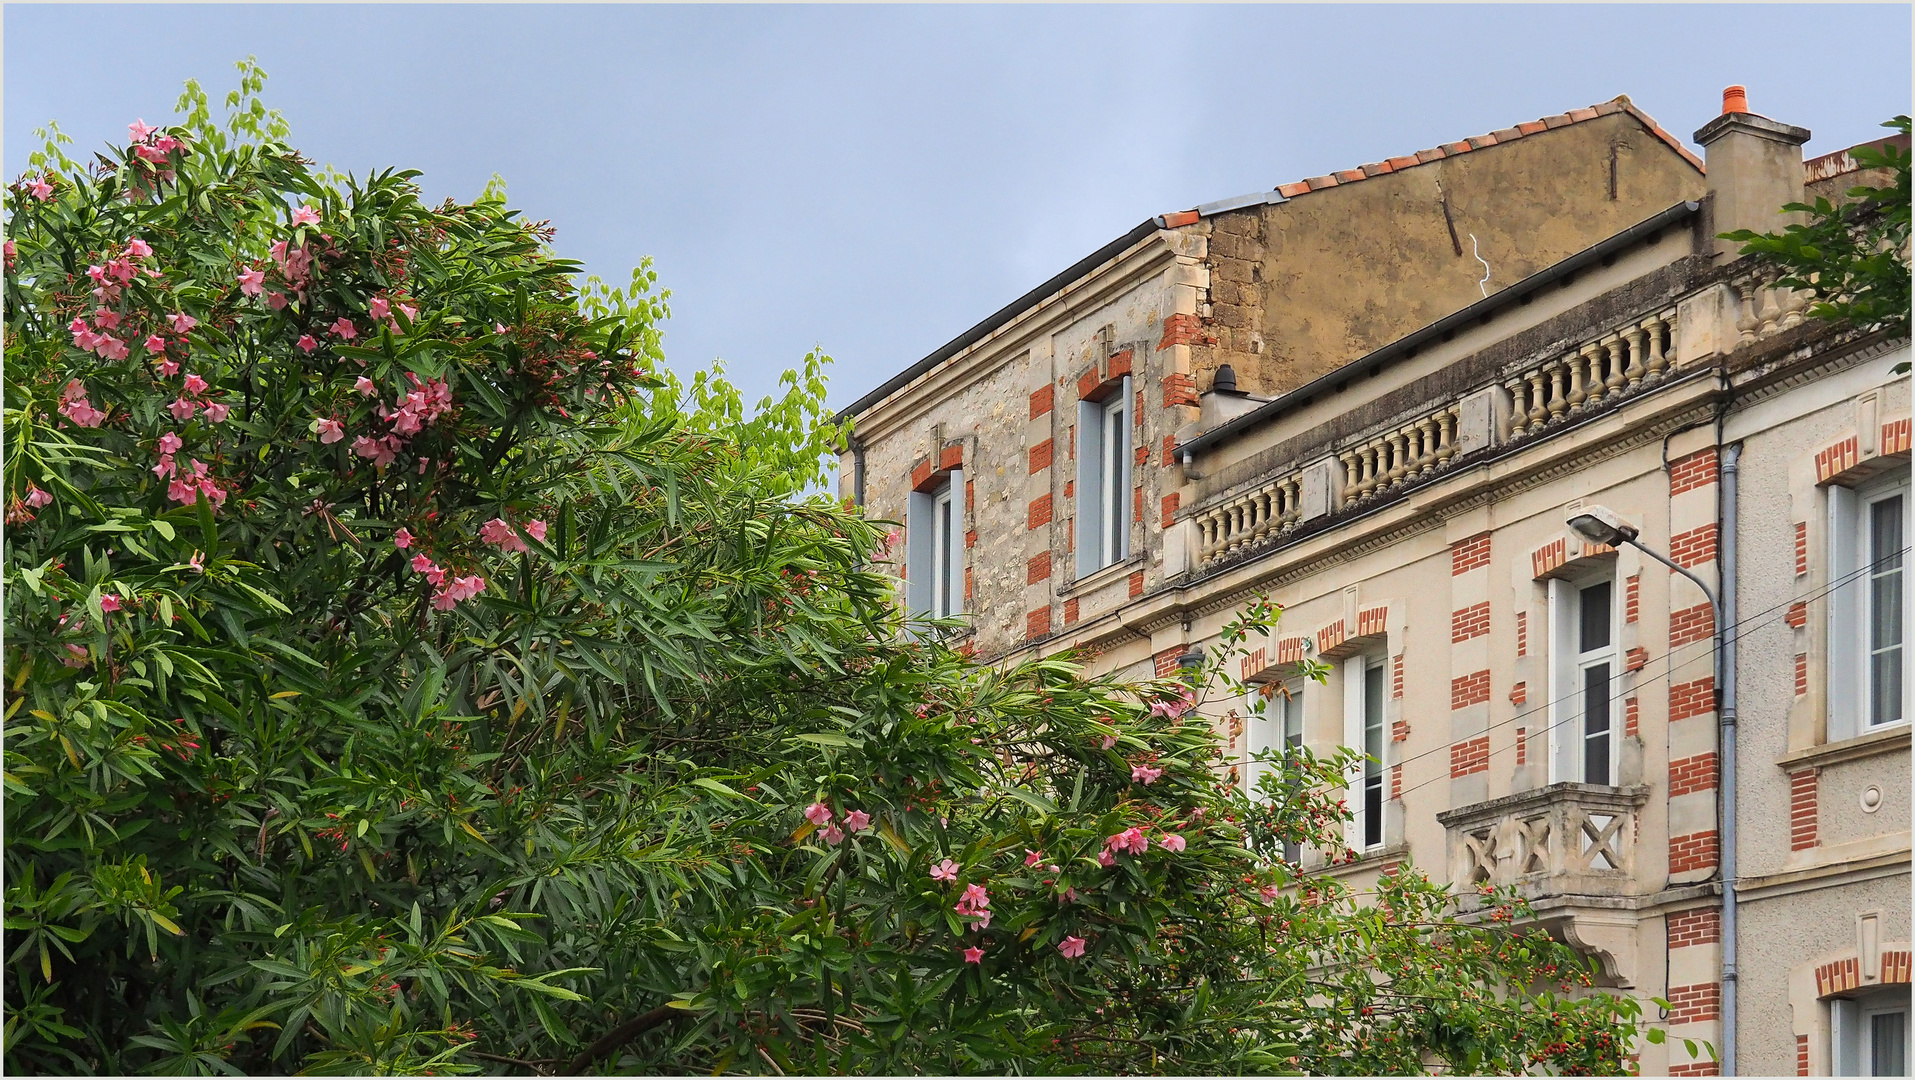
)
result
[(1869, 1034), (1103, 480), (1278, 729), (1363, 689), (934, 559), (1583, 667), (1868, 597)]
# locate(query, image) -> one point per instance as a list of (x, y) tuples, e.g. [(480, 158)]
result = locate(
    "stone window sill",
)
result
[(1888, 740), (1098, 578)]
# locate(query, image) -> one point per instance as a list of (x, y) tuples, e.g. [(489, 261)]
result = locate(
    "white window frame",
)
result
[(1104, 450), (1854, 569), (1851, 1032), (1279, 728), (1569, 665), (1365, 728), (934, 555)]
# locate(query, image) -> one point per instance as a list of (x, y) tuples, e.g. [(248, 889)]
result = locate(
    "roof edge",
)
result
[(1376, 358)]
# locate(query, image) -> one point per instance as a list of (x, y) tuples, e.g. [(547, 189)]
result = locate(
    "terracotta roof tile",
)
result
[(1621, 103)]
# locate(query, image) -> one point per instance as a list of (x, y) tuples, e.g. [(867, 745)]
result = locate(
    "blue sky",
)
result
[(873, 180)]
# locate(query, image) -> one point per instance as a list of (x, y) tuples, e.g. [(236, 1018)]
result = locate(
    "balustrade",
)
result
[(1565, 838), (1393, 458), (1249, 519), (1767, 309), (1597, 373)]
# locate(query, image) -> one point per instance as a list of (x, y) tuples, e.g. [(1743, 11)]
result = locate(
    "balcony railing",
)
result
[(1600, 372), (1564, 838), (1249, 519), (1394, 458)]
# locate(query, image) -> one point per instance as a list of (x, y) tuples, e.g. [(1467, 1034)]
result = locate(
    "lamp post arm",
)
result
[(1714, 604)]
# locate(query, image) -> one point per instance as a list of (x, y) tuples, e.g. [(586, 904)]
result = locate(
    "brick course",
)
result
[(1631, 716), (1695, 1003), (1694, 471), (1040, 512), (1467, 555), (1070, 611), (1691, 625), (1692, 851), (1522, 633), (1801, 674), (1801, 548), (1042, 400), (1696, 773), (1695, 547), (1182, 329), (1700, 927), (1037, 623), (1467, 690), (1804, 811), (1697, 1068), (1038, 569), (1692, 698), (1137, 583), (1469, 622), (1798, 616), (1632, 598), (1179, 389), (1042, 453), (1469, 756)]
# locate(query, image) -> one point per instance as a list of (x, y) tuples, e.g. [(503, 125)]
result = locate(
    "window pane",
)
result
[(1373, 713), (1885, 611), (942, 557), (1885, 535), (1373, 811), (1292, 706), (1888, 1044), (1595, 617), (1596, 724)]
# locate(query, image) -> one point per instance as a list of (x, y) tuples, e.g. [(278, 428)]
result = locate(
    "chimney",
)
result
[(1754, 167)]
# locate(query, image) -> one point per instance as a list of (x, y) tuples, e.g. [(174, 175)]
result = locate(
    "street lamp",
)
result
[(1601, 525)]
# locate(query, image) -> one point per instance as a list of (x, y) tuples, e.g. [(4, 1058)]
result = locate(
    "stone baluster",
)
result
[(1394, 441), (1746, 321), (1295, 487), (1668, 321), (1636, 335), (1426, 445), (1518, 388), (1577, 395), (1370, 470), (1794, 302), (1538, 398), (1558, 404), (1771, 310), (1350, 477), (1612, 385), (1266, 513), (1658, 359), (1446, 433)]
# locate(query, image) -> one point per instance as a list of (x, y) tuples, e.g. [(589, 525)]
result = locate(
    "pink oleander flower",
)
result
[(378, 308), (111, 348), (1132, 840), (106, 319), (41, 189), (500, 534), (975, 898), (365, 386), (197, 562), (469, 587), (832, 834), (37, 498), (1164, 709), (1172, 842), (216, 412), (342, 327), (183, 489), (305, 215), (1032, 858), (169, 368), (1110, 741), (137, 131), (83, 413), (194, 384), (166, 467), (121, 271), (77, 656), (182, 323), (421, 564), (412, 313), (252, 282), (1144, 774), (1105, 858), (307, 344), (137, 248), (276, 301), (536, 530), (1071, 947), (109, 603), (154, 344), (97, 273), (1269, 892), (981, 920), (368, 447), (1070, 896), (974, 955), (402, 539), (818, 814), (331, 431), (170, 443), (856, 820), (946, 871)]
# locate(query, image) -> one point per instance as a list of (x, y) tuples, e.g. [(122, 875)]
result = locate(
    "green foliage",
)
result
[(462, 695), (1852, 256)]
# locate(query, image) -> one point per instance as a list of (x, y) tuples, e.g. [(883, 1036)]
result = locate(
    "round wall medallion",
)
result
[(1871, 799)]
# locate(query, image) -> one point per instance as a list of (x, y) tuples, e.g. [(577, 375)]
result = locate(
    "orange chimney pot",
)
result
[(1735, 99)]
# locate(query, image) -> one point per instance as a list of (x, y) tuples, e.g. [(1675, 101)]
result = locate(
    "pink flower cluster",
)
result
[(450, 592), (1072, 947), (193, 398), (975, 904), (946, 871), (150, 144), (381, 309), (1145, 774), (75, 407), (190, 483), (417, 410), (40, 189), (817, 813), (499, 533)]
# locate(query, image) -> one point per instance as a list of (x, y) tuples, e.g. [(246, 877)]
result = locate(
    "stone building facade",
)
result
[(1314, 394)]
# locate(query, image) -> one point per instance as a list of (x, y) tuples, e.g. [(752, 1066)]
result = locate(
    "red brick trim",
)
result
[(1522, 633), (1467, 555), (1895, 436), (1372, 621), (1548, 557), (1697, 1068), (1804, 809), (1070, 611), (1801, 548), (1635, 659), (1469, 622), (1522, 746), (1702, 926), (1118, 365), (1836, 459), (1631, 716), (1396, 677), (1801, 1055), (1166, 661), (1691, 625), (1469, 756), (1897, 966), (1801, 674), (1170, 504), (1692, 851), (1396, 781), (952, 456), (1695, 1003), (1632, 598), (1691, 472), (1290, 649), (1467, 690), (1042, 453), (1037, 623), (1038, 569), (1694, 547), (1040, 511), (1696, 773), (1179, 389), (1330, 637), (1170, 451), (1519, 694), (1182, 329), (1137, 583), (1692, 698), (1838, 976), (1042, 400)]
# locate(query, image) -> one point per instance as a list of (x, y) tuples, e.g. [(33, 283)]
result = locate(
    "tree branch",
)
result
[(622, 1034)]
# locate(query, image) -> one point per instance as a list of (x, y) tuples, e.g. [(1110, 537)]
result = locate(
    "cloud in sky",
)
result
[(873, 180)]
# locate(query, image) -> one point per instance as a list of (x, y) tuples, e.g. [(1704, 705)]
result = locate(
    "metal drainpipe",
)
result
[(1725, 664), (857, 472)]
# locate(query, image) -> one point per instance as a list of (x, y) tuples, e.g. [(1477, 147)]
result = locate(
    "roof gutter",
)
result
[(1448, 325)]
